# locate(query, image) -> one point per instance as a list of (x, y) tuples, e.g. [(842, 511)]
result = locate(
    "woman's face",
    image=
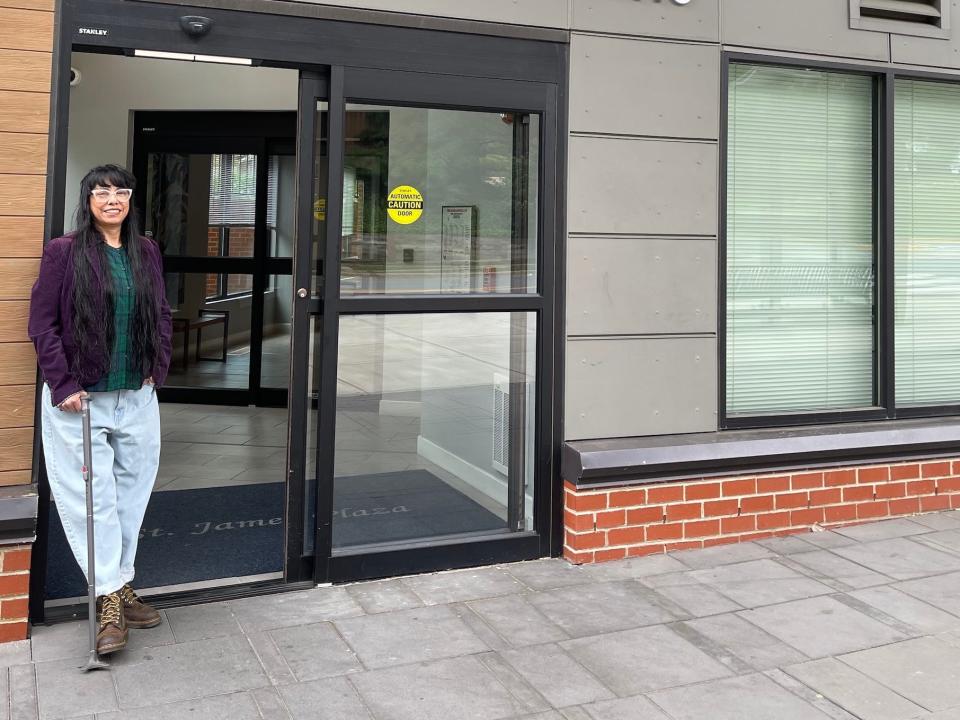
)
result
[(110, 205)]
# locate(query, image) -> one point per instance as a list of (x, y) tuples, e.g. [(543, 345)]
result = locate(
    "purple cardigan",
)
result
[(51, 319)]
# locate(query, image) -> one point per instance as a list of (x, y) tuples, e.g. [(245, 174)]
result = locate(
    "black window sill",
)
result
[(18, 514), (664, 458)]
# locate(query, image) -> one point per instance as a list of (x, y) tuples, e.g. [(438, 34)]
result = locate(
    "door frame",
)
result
[(312, 38), (250, 132), (413, 89)]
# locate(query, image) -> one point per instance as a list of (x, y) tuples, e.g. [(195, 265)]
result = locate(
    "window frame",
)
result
[(884, 367)]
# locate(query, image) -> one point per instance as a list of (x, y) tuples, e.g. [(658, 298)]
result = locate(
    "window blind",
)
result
[(799, 242), (927, 243), (233, 189)]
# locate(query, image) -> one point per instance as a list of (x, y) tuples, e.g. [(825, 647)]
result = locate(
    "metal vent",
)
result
[(930, 18), (919, 11)]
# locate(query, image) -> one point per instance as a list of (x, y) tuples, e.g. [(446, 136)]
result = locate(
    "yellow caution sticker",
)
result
[(404, 204), (320, 209)]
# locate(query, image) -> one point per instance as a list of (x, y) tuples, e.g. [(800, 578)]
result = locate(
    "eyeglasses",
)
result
[(102, 195)]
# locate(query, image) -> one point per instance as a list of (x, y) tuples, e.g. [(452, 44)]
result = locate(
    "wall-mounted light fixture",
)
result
[(192, 58)]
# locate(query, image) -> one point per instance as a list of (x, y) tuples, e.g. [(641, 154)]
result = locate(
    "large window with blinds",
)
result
[(800, 330), (927, 243)]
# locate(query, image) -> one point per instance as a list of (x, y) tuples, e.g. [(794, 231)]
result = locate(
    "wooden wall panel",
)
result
[(24, 70), (24, 112), (26, 29), (22, 194), (26, 56), (17, 407), (21, 236), (47, 5), (18, 363), (16, 448), (17, 276), (23, 153), (14, 477), (13, 320)]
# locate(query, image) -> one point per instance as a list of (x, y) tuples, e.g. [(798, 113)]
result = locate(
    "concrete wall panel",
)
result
[(539, 13), (642, 87), (647, 187), (929, 51), (629, 286), (621, 387), (697, 21), (813, 26)]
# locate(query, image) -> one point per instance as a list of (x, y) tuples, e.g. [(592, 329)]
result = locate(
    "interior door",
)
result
[(217, 206)]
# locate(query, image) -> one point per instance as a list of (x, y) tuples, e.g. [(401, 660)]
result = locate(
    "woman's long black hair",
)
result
[(93, 302)]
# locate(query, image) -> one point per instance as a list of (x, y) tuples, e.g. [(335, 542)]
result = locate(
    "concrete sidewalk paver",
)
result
[(760, 582), (459, 688), (924, 670), (747, 642), (900, 558), (597, 608), (408, 636), (857, 693), (822, 626), (518, 622), (862, 623), (920, 615), (632, 662), (733, 699)]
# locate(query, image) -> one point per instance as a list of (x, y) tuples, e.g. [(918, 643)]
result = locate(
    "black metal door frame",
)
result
[(362, 85), (504, 71)]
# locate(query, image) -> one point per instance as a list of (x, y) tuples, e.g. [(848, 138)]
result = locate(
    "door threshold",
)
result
[(63, 610)]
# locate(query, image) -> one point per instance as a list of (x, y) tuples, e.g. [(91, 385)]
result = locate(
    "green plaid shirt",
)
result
[(124, 374)]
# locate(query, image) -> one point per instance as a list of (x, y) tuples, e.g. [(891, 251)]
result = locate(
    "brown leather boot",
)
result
[(137, 613), (112, 635)]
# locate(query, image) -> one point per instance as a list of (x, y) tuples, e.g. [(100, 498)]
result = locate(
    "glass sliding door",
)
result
[(426, 303)]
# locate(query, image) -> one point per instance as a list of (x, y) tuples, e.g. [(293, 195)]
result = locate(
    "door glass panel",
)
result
[(434, 426), (201, 205), (439, 201), (281, 211), (211, 329)]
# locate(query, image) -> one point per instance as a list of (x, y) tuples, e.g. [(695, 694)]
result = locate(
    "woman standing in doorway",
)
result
[(100, 322)]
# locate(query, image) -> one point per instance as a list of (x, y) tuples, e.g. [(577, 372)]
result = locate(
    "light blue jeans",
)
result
[(125, 434)]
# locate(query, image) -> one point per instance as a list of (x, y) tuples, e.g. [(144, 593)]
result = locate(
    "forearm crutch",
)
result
[(93, 661)]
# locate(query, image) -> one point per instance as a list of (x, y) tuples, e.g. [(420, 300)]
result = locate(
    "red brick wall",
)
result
[(613, 523), (14, 588)]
